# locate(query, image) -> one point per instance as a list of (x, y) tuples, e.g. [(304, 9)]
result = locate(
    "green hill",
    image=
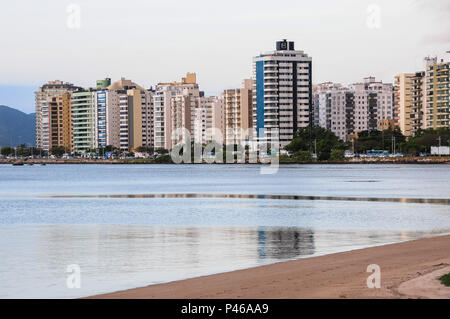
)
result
[(16, 127)]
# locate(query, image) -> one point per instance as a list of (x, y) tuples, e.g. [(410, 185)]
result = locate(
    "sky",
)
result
[(147, 41)]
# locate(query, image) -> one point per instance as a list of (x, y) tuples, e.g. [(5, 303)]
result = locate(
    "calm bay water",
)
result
[(133, 225)]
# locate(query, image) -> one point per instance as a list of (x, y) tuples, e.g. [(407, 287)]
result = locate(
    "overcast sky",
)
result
[(154, 41)]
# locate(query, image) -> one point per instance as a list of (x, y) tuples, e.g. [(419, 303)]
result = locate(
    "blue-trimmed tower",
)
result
[(282, 95)]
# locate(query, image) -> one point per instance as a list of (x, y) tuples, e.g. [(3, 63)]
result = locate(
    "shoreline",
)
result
[(407, 160), (336, 276)]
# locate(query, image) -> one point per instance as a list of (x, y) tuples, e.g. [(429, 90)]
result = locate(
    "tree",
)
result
[(315, 138), (424, 139), (7, 151), (378, 140), (145, 149), (337, 155), (58, 151), (112, 149), (303, 156)]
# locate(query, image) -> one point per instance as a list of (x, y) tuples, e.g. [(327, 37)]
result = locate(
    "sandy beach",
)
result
[(408, 266)]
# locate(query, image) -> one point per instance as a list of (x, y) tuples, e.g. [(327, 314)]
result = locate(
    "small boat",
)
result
[(43, 164)]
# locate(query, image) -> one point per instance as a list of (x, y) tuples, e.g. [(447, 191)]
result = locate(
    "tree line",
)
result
[(327, 146)]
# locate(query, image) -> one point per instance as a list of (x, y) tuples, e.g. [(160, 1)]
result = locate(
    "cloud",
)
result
[(439, 38), (441, 7)]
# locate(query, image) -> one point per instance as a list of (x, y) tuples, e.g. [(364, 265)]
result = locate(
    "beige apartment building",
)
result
[(238, 113), (410, 102), (174, 110), (53, 114), (135, 105), (437, 94), (218, 117), (60, 126), (422, 98)]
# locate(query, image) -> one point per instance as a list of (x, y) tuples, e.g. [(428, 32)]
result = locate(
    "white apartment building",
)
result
[(347, 111), (374, 101), (282, 92), (334, 109), (203, 120), (174, 110)]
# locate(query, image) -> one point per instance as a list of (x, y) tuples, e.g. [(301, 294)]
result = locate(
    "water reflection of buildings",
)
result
[(436, 201), (285, 243)]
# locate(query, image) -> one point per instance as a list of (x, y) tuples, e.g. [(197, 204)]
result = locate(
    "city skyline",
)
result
[(381, 51)]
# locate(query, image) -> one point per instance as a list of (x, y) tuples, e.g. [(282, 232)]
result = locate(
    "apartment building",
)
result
[(147, 98), (135, 105), (203, 120), (437, 81), (374, 101), (334, 108), (410, 102), (84, 121), (57, 116), (238, 113), (422, 98), (218, 117), (174, 110), (181, 113), (282, 92), (162, 117), (59, 122), (349, 110), (108, 117)]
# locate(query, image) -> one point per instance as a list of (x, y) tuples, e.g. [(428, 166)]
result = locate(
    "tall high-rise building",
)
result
[(60, 126), (162, 118), (52, 93), (100, 101), (203, 122), (136, 114), (84, 121), (148, 134), (373, 102), (174, 110), (334, 109), (437, 79), (218, 114), (360, 107), (282, 94), (238, 113), (422, 98), (181, 112), (409, 102)]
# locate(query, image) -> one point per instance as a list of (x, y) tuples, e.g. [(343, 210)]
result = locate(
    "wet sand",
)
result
[(341, 275)]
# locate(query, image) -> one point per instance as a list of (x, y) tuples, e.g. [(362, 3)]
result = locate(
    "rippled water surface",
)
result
[(134, 225)]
